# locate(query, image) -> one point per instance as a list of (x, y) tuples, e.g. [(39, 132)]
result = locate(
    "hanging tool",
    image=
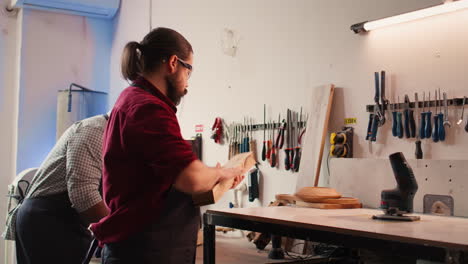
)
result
[(435, 128), (418, 153), (441, 127), (369, 126), (247, 137), (446, 120), (264, 131), (280, 136), (273, 151), (287, 150), (422, 133), (253, 142), (428, 128), (275, 145), (269, 144), (410, 125), (299, 143), (297, 156), (377, 97), (462, 112), (303, 129), (374, 128), (394, 121), (230, 141), (293, 142), (399, 118), (466, 126), (378, 118), (383, 100), (252, 182)]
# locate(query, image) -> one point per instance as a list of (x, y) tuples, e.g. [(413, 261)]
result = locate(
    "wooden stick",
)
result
[(324, 135)]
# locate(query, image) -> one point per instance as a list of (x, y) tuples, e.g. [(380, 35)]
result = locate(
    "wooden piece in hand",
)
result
[(286, 198), (317, 194), (245, 161)]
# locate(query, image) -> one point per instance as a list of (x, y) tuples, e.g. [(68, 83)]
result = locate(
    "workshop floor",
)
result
[(235, 250)]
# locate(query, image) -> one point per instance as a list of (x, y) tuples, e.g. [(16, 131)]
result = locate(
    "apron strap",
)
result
[(91, 251)]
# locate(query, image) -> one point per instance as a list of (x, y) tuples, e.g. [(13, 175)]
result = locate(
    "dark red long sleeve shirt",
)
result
[(143, 152)]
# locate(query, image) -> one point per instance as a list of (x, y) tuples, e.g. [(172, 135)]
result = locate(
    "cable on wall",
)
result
[(150, 15)]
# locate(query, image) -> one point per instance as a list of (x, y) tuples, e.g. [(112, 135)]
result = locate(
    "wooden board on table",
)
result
[(315, 135), (328, 206), (244, 160), (334, 203)]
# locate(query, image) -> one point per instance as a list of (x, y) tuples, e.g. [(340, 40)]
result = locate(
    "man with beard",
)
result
[(150, 171)]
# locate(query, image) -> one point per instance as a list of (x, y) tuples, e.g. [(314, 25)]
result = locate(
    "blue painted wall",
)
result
[(57, 50)]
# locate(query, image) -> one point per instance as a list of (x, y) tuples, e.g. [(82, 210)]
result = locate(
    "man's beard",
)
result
[(172, 92)]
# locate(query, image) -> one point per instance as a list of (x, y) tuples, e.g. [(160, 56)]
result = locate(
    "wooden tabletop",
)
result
[(438, 231)]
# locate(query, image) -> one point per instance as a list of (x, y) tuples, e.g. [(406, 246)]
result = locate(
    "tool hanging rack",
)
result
[(412, 105), (268, 126)]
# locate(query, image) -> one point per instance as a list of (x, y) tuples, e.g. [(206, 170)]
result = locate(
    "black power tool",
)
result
[(399, 201)]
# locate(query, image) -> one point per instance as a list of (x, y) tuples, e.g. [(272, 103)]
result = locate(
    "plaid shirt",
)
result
[(74, 165)]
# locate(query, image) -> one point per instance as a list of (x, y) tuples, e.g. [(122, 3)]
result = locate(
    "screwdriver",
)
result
[(369, 126), (418, 153), (247, 143), (423, 119), (435, 129), (428, 128), (297, 158), (269, 145), (410, 126), (394, 121), (287, 150), (273, 152), (264, 131), (253, 142), (293, 144), (441, 128), (399, 129)]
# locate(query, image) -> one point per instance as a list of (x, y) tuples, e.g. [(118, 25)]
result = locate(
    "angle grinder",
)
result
[(399, 201)]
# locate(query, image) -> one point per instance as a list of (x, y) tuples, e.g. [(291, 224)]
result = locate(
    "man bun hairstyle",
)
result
[(146, 56)]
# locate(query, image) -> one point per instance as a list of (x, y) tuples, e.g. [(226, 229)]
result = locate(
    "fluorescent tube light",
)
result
[(419, 14)]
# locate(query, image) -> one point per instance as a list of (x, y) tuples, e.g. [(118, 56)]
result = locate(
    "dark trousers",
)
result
[(49, 230), (171, 239)]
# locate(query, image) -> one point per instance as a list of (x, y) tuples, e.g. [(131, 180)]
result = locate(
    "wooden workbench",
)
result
[(433, 237)]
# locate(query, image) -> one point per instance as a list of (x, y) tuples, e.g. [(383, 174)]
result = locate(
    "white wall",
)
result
[(131, 23), (8, 110), (287, 48)]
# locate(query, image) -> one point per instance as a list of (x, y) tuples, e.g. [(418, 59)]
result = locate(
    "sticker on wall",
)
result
[(350, 121), (199, 128)]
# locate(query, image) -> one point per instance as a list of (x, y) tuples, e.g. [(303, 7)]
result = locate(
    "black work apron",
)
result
[(49, 230), (171, 239)]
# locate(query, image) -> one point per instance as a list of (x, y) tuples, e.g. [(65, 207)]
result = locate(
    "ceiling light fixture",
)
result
[(446, 7)]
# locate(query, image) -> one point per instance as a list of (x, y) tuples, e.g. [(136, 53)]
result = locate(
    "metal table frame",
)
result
[(213, 218)]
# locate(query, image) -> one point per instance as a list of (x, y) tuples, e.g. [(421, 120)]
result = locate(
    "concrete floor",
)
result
[(236, 250)]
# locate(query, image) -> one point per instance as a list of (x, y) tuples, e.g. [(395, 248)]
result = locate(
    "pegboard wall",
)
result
[(366, 178)]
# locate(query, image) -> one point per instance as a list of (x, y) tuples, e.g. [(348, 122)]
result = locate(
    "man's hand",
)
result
[(226, 174), (237, 180)]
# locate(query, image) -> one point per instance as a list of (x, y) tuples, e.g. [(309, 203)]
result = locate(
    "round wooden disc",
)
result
[(317, 194)]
